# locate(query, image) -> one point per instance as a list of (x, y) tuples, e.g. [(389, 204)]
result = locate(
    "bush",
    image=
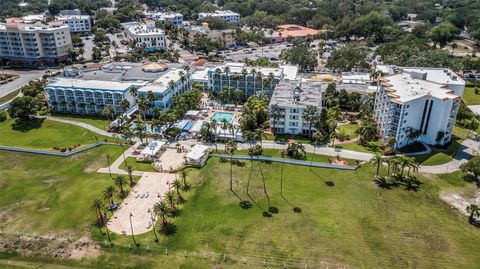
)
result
[(3, 116)]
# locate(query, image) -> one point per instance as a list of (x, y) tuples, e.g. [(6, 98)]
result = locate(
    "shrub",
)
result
[(3, 116)]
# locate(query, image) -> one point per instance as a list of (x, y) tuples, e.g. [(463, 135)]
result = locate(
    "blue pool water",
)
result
[(218, 116)]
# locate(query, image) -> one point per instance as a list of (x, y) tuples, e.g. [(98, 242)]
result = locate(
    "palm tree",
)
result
[(213, 127), (310, 114), (96, 206), (275, 112), (125, 105), (377, 160), (412, 165), (177, 185), (131, 182), (120, 182), (230, 148), (134, 93), (183, 176), (474, 212), (317, 137), (282, 153), (161, 209), (108, 193)]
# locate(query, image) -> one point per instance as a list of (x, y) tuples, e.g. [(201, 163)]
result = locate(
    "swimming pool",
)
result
[(218, 116)]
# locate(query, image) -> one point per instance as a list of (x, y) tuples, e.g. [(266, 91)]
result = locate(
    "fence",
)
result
[(287, 161)]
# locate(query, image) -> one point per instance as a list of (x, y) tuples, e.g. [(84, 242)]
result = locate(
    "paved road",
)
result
[(24, 79)]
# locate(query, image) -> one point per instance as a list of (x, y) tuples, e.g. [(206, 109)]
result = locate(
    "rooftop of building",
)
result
[(72, 17), (161, 84), (219, 13), (92, 84), (298, 93), (437, 75), (140, 29), (167, 14), (289, 72), (21, 24), (405, 87), (120, 71)]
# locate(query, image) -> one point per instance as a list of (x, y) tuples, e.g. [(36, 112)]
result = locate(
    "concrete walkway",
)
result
[(114, 167), (80, 124), (467, 149)]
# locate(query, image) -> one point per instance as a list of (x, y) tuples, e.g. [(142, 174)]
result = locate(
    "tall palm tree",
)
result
[(177, 185), (134, 92), (161, 209), (275, 112), (183, 177), (108, 194), (213, 127), (282, 153), (131, 182), (125, 105), (377, 160), (230, 148), (317, 138), (170, 196), (120, 182), (96, 206), (412, 165), (310, 114)]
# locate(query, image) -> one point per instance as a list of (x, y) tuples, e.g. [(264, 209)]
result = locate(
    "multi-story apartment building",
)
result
[(34, 43), (226, 15), (293, 97), (250, 80), (173, 17), (145, 34), (88, 96), (77, 23), (175, 81), (417, 104), (224, 38)]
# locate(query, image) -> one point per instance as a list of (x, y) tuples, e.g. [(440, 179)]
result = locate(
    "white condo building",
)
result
[(226, 15), (34, 42), (162, 89), (88, 96), (417, 100), (250, 80), (77, 23), (145, 34), (292, 97), (173, 17)]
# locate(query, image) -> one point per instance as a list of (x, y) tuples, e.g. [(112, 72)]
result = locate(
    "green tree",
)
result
[(472, 167), (24, 107), (443, 33), (300, 54), (310, 115), (377, 160)]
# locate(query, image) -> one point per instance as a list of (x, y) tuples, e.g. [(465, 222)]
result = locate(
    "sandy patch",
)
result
[(149, 190), (461, 200)]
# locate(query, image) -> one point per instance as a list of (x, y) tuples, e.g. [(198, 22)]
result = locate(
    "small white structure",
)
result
[(197, 156), (145, 34), (151, 150), (192, 114), (226, 15)]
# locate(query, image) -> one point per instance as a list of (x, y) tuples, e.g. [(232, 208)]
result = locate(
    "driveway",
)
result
[(24, 78)]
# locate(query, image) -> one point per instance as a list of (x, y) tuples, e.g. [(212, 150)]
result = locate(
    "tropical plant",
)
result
[(230, 148), (96, 206), (120, 183), (473, 212), (377, 160), (108, 194), (310, 115)]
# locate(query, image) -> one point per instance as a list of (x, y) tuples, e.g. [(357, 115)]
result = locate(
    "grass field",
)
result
[(51, 194), (349, 129), (355, 146), (347, 222), (469, 96), (44, 134), (99, 122), (137, 166), (286, 138), (276, 153)]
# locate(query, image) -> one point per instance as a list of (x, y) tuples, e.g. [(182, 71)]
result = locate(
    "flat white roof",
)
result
[(237, 68), (161, 84), (437, 75), (197, 126), (197, 152), (217, 13), (200, 75), (92, 84), (152, 148), (290, 71), (408, 88), (73, 17)]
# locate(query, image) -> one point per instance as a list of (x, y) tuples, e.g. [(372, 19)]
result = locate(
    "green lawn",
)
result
[(285, 138), (44, 194), (355, 146), (346, 220), (137, 166), (97, 121), (9, 96), (276, 153), (349, 129), (442, 156), (44, 134), (469, 96)]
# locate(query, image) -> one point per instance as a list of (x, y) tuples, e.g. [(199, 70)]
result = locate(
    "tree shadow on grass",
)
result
[(27, 125), (328, 183), (471, 179)]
